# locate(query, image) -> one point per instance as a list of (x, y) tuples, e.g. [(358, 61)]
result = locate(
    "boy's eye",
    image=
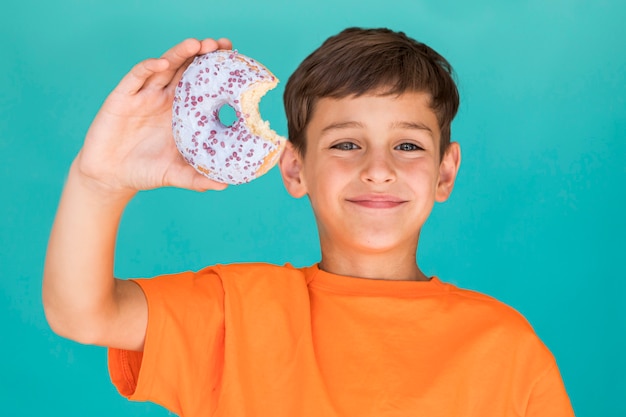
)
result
[(345, 146), (408, 147)]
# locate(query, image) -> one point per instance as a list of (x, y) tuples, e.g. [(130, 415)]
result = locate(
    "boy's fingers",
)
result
[(159, 71), (210, 44), (137, 77), (185, 176), (178, 75), (206, 46), (204, 184), (224, 43), (179, 58)]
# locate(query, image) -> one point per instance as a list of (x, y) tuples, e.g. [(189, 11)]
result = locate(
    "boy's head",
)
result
[(365, 61)]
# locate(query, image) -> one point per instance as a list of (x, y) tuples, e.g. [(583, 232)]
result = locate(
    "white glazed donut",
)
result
[(233, 154)]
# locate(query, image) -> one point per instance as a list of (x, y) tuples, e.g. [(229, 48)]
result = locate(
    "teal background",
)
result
[(536, 219)]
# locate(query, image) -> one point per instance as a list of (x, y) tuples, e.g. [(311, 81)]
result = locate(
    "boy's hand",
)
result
[(129, 146)]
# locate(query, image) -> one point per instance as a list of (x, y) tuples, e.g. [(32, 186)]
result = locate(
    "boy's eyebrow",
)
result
[(411, 125), (395, 125), (342, 125)]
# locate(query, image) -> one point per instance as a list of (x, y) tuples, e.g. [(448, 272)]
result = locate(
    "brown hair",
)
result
[(359, 61)]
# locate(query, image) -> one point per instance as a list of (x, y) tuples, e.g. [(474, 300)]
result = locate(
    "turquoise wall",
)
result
[(536, 219)]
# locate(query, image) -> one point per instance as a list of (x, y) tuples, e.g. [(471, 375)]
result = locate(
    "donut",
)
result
[(234, 154)]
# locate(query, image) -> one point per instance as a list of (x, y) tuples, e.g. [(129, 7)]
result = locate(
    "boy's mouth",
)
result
[(380, 201)]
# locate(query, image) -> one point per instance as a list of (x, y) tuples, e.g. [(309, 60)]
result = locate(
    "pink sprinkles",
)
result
[(229, 154)]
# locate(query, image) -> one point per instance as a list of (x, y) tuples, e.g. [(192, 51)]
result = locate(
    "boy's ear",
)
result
[(448, 168), (290, 165)]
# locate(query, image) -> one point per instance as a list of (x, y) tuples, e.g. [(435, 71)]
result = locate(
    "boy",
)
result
[(364, 332)]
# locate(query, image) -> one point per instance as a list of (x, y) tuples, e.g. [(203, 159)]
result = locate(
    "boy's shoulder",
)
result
[(480, 306), (256, 270), (250, 276)]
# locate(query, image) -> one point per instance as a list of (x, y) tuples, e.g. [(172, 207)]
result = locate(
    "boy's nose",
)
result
[(378, 168)]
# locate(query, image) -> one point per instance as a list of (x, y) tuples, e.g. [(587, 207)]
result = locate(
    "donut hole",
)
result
[(227, 115)]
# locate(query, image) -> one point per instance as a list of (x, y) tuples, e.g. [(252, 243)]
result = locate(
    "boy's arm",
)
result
[(82, 301), (129, 147)]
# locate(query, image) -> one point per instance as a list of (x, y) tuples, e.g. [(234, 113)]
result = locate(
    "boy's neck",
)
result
[(385, 266)]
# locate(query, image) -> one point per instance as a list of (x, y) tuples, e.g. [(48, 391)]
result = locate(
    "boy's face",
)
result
[(372, 170)]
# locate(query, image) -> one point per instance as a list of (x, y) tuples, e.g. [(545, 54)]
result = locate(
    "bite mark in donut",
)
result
[(232, 154)]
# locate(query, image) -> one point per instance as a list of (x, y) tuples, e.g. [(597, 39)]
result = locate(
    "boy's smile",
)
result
[(376, 201), (372, 172)]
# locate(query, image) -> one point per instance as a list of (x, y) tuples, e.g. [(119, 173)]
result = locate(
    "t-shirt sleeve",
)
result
[(548, 397), (183, 351)]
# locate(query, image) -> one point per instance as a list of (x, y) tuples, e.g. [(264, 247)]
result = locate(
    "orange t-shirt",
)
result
[(265, 340)]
